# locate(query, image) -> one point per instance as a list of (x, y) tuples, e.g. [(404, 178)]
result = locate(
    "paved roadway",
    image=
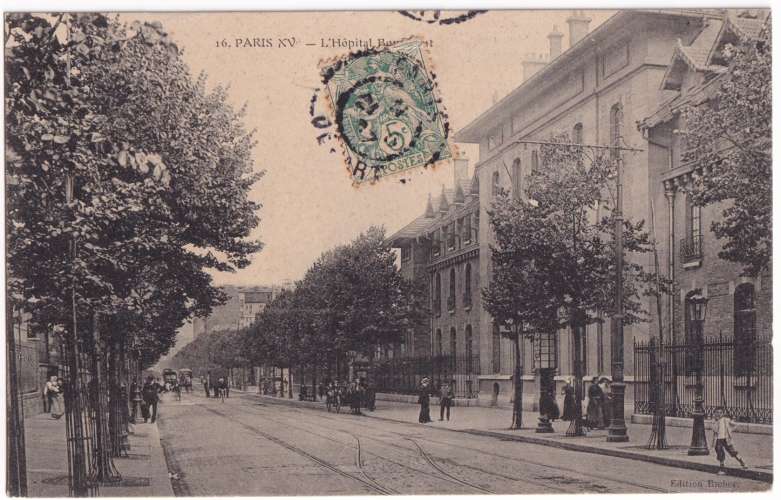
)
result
[(245, 446)]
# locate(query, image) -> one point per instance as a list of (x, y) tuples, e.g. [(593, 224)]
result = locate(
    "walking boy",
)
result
[(722, 438)]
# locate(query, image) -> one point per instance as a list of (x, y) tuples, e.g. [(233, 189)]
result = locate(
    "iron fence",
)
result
[(403, 375), (736, 376)]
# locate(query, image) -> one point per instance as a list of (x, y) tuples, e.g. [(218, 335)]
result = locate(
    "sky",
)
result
[(308, 202)]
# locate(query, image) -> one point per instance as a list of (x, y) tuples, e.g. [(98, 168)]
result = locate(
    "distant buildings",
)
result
[(243, 305)]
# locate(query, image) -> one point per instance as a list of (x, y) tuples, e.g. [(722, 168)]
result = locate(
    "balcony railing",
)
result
[(691, 249)]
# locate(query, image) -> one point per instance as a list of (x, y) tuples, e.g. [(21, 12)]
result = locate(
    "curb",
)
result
[(158, 477), (766, 477), (755, 475)]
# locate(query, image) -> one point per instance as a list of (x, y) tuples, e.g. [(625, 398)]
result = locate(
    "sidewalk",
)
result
[(144, 471), (756, 449)]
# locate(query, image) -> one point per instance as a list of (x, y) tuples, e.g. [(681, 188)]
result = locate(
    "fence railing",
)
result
[(736, 376), (403, 375)]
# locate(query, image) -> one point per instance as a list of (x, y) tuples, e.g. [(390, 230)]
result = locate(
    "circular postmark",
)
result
[(442, 18), (386, 113)]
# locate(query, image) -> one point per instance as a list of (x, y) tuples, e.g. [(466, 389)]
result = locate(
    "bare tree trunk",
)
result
[(576, 426), (517, 385), (16, 478), (290, 382)]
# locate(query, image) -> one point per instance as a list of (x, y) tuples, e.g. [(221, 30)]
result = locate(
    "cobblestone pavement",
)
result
[(247, 446)]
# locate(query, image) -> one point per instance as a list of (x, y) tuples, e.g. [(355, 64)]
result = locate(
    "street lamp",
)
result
[(545, 361), (698, 307)]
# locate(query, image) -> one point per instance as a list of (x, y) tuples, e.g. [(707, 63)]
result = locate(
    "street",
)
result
[(249, 446)]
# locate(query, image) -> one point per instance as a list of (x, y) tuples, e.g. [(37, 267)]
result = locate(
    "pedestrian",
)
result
[(548, 406), (607, 400), (150, 392), (207, 383), (321, 390), (569, 401), (424, 399), (53, 397), (722, 439), (446, 396), (356, 394), (594, 414)]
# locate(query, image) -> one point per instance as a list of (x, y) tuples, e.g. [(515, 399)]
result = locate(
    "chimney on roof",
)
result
[(554, 38), (578, 26), (531, 64)]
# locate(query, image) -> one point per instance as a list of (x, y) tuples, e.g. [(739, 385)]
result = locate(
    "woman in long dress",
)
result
[(596, 417), (569, 401), (424, 398)]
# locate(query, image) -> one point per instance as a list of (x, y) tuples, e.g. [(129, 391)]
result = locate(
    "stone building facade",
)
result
[(739, 306), (441, 248), (596, 91)]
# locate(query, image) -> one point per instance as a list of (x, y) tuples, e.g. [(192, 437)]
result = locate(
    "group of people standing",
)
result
[(599, 409), (214, 387), (446, 395)]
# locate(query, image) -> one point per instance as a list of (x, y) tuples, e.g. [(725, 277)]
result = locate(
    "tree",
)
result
[(101, 164), (553, 262), (351, 300), (728, 136)]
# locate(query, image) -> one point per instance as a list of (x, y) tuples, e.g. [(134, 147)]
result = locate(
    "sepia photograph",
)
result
[(388, 252)]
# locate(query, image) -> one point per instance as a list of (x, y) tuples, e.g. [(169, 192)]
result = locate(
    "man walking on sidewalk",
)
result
[(150, 392), (446, 396), (722, 439)]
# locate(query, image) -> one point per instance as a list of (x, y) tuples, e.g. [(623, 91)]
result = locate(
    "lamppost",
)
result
[(698, 307), (545, 361)]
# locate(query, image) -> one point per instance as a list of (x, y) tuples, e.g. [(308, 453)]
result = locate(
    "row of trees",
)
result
[(128, 182), (351, 300)]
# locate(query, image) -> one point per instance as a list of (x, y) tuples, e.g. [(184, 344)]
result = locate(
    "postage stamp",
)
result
[(388, 116)]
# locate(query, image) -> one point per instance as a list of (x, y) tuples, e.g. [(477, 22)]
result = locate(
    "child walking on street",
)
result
[(722, 439)]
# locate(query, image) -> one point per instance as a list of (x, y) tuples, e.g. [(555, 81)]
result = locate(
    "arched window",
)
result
[(437, 299), (438, 345), (517, 177), (535, 167), (497, 350), (468, 348), (616, 122), (451, 298), (745, 328), (577, 133), (495, 184), (468, 284), (453, 341)]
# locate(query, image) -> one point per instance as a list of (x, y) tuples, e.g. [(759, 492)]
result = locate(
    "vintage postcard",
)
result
[(418, 252)]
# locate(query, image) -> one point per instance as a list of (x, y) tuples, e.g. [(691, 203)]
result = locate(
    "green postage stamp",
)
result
[(388, 116)]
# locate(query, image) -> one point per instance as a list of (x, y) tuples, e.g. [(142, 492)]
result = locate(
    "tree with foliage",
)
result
[(553, 261), (128, 182), (729, 138), (102, 162), (351, 300)]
